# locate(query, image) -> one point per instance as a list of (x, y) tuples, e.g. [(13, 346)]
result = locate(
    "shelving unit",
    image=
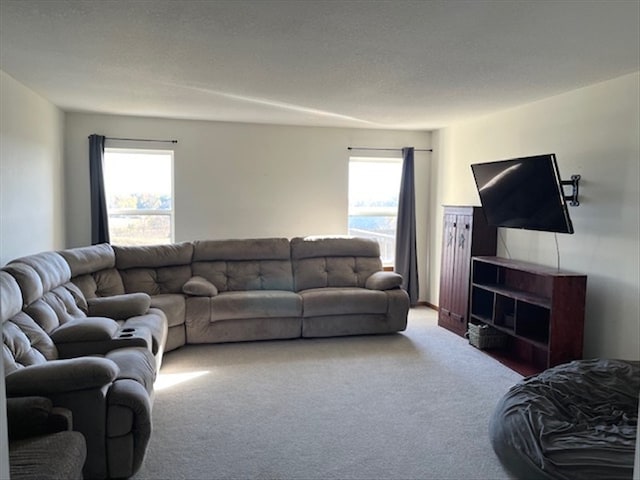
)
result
[(540, 309)]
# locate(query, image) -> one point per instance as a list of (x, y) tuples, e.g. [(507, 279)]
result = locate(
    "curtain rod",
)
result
[(140, 140), (390, 149)]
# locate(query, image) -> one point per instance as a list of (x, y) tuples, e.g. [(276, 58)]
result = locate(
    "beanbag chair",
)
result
[(576, 421)]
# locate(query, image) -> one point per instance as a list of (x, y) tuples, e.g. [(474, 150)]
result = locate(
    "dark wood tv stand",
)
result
[(540, 309)]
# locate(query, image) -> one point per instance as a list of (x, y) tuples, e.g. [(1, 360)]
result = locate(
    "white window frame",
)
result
[(376, 211), (127, 211)]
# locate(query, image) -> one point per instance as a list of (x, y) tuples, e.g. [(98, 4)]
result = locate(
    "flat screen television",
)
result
[(523, 193)]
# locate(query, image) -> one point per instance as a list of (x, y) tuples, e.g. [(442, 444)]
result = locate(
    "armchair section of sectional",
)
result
[(60, 344), (87, 364), (102, 293)]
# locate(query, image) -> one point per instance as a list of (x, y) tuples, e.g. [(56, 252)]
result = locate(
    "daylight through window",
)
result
[(374, 186), (139, 193)]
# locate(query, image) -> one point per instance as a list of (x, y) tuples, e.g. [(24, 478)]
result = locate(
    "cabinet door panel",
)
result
[(462, 264), (447, 276)]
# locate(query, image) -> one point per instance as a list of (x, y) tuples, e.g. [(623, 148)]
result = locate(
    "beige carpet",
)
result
[(409, 406)]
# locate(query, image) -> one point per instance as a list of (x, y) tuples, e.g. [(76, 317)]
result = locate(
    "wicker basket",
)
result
[(484, 336)]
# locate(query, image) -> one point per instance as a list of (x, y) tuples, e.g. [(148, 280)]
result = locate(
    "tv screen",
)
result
[(523, 193)]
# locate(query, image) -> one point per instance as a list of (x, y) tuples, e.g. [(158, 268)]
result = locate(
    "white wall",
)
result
[(31, 172), (594, 133), (31, 189), (235, 180)]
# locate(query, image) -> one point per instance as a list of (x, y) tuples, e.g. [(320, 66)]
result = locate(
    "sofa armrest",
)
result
[(89, 329), (199, 287), (34, 416), (96, 336), (383, 281), (57, 376), (119, 307)]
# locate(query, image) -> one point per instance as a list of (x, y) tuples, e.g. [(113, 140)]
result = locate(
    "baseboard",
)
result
[(430, 305)]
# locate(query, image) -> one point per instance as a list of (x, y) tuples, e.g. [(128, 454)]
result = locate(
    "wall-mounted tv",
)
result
[(523, 193)]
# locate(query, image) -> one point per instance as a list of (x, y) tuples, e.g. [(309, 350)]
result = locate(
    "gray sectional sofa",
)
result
[(88, 327)]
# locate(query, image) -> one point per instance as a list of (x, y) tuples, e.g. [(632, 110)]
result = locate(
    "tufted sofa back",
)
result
[(247, 264), (48, 295), (93, 270), (24, 341), (333, 261), (156, 269)]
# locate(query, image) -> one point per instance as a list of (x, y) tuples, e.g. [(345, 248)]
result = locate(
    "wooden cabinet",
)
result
[(465, 234), (540, 309)]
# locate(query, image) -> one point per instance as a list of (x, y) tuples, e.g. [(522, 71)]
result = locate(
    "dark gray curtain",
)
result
[(406, 258), (99, 217)]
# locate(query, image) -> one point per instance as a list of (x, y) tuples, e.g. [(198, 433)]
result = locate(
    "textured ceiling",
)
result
[(372, 64)]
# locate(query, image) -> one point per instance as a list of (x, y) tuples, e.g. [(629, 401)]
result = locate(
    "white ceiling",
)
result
[(371, 63)]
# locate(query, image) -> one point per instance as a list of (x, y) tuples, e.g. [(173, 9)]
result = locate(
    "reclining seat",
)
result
[(110, 407), (93, 272), (344, 289), (250, 292), (42, 444), (60, 308), (159, 271)]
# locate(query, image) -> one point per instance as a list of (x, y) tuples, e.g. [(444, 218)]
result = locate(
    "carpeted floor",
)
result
[(409, 406)]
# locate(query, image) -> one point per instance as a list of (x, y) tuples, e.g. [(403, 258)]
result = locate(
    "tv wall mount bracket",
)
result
[(574, 183)]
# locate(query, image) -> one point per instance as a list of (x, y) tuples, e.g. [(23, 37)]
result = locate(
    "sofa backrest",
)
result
[(247, 264), (24, 341), (51, 270), (93, 270), (155, 269), (48, 295), (333, 261)]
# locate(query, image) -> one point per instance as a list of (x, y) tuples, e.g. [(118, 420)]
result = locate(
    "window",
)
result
[(374, 186), (139, 191)]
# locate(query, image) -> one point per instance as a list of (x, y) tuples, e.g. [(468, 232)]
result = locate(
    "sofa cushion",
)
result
[(51, 267), (156, 281), (250, 264), (21, 344), (247, 275), (28, 279), (135, 363), (199, 287), (343, 301), (90, 259), (333, 261), (314, 247), (334, 272), (62, 303), (241, 250), (173, 305), (153, 256), (48, 457), (102, 283), (119, 307), (255, 304), (10, 297)]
